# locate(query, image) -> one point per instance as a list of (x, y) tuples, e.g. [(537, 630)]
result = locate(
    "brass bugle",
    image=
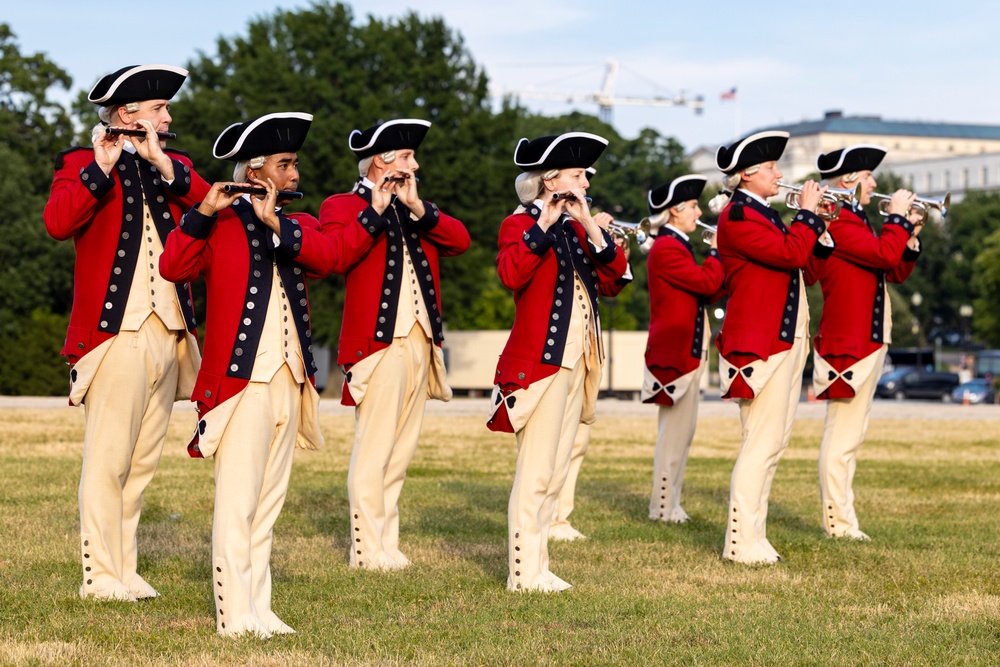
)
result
[(640, 230), (568, 196), (254, 190), (708, 235), (921, 204), (835, 196), (128, 132)]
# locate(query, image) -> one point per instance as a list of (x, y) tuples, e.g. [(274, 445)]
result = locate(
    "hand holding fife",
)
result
[(107, 148), (404, 184), (218, 199), (263, 207), (150, 149)]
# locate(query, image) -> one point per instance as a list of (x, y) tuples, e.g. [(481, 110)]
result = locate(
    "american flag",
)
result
[(729, 95)]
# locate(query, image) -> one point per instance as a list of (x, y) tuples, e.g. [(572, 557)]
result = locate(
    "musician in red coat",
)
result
[(763, 342), (677, 351), (856, 325), (553, 255), (388, 242), (561, 530), (255, 395), (131, 342)]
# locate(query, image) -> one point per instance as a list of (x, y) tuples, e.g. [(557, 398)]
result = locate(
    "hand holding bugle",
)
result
[(127, 132), (254, 190), (708, 235)]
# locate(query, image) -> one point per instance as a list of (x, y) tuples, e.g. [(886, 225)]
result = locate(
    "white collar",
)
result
[(753, 196), (677, 231)]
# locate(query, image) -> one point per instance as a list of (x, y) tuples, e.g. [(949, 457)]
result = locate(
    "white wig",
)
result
[(365, 164), (241, 168)]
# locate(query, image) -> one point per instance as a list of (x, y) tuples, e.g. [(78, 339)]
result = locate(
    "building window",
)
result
[(928, 181), (946, 179), (965, 179), (986, 176)]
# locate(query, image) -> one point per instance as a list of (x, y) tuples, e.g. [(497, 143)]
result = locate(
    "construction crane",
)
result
[(606, 100)]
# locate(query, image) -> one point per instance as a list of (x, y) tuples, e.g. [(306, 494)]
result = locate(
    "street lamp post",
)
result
[(965, 312), (916, 299)]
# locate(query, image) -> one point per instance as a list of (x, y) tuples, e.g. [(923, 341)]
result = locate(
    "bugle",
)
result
[(834, 196), (708, 233), (921, 205), (254, 190), (128, 132), (640, 230)]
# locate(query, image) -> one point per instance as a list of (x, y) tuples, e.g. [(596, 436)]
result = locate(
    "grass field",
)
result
[(924, 591)]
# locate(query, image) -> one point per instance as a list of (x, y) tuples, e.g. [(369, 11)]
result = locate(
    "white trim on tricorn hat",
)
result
[(770, 144), (296, 127), (683, 187), (859, 157), (373, 147), (588, 148), (162, 87)]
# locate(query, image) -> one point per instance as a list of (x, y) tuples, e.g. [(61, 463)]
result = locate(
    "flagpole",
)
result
[(736, 116)]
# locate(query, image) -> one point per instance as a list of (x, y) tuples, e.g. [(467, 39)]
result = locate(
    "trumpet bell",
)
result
[(708, 232), (921, 205), (640, 230)]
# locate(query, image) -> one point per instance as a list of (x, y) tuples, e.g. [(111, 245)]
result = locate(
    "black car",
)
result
[(915, 383)]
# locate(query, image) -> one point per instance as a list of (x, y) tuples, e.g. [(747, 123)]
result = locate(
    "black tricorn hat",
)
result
[(137, 83), (684, 188), (754, 149), (571, 150), (267, 135), (861, 157), (392, 135)]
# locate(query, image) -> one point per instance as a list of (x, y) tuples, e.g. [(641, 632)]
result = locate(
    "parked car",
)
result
[(974, 391), (904, 383)]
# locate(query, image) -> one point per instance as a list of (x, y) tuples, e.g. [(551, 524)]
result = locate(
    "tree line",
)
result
[(350, 73)]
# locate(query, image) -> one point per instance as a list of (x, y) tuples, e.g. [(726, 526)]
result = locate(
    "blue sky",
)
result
[(789, 61)]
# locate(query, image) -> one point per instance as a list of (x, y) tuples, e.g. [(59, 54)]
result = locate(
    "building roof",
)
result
[(836, 123)]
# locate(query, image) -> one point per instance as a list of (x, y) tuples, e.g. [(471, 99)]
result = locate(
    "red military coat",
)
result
[(679, 291), (762, 259), (234, 252), (538, 267), (368, 251), (103, 216), (853, 283)]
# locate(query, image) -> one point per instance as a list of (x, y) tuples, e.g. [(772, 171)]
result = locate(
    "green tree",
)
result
[(36, 272), (350, 75), (986, 322)]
